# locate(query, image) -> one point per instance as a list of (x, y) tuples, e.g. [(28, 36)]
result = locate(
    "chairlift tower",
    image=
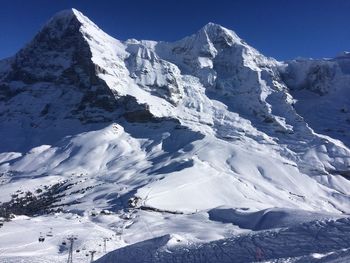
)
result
[(92, 253), (71, 246), (105, 239), (119, 233)]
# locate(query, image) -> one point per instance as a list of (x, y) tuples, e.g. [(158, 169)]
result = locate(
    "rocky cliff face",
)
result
[(53, 77)]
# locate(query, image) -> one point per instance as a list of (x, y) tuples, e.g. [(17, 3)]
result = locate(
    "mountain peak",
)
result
[(64, 16), (62, 21), (214, 30), (58, 46), (208, 40), (68, 14), (71, 12), (211, 25), (66, 19)]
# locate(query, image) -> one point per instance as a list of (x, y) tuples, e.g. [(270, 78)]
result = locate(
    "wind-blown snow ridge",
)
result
[(123, 135)]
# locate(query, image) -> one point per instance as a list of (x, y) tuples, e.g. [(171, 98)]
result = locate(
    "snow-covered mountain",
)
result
[(135, 140)]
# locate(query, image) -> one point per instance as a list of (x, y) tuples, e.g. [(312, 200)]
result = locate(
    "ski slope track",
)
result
[(199, 150)]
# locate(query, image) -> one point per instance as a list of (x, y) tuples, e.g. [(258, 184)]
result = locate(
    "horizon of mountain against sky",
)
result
[(280, 29)]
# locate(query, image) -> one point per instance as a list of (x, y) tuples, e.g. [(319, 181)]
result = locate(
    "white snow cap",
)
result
[(63, 19), (218, 34), (212, 28)]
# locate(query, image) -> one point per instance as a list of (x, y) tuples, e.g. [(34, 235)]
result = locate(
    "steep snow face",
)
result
[(321, 90), (153, 74), (160, 133), (233, 72)]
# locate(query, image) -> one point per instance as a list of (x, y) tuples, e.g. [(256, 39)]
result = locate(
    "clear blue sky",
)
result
[(282, 29)]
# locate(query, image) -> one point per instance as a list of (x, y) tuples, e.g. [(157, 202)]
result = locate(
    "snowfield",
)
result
[(200, 150)]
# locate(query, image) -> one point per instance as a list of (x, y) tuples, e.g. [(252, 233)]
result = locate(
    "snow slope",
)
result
[(133, 140), (315, 241)]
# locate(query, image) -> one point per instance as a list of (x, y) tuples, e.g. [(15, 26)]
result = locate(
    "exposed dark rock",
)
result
[(30, 204)]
